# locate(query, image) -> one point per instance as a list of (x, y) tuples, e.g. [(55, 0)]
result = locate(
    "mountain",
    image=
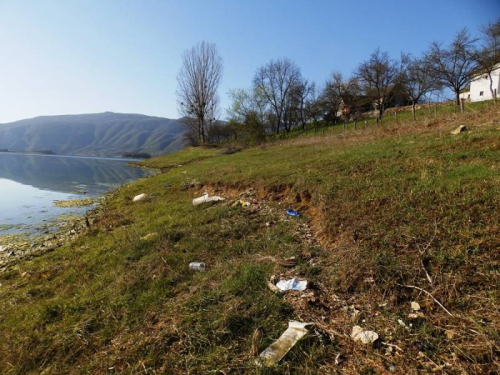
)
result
[(99, 134)]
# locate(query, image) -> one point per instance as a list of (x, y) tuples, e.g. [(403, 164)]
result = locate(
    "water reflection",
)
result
[(29, 184), (66, 174)]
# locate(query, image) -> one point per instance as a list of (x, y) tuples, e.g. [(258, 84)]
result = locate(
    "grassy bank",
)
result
[(385, 210)]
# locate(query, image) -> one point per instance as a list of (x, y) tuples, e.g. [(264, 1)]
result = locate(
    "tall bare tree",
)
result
[(416, 80), (453, 66), (313, 105), (276, 80), (198, 82), (378, 75), (489, 56), (305, 93)]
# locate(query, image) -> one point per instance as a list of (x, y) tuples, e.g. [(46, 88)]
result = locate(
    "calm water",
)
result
[(29, 185)]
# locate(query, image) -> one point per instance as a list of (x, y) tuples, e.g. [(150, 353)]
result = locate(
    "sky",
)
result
[(90, 56)]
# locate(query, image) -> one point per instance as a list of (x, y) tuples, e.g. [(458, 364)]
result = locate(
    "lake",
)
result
[(29, 185)]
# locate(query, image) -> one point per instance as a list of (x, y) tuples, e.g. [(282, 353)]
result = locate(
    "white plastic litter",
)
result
[(292, 284), (278, 349), (140, 197), (2, 248), (197, 266), (459, 130), (206, 198)]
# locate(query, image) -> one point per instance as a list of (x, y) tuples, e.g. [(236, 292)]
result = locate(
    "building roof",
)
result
[(479, 75)]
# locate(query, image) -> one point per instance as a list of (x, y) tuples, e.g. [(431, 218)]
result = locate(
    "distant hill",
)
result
[(99, 134)]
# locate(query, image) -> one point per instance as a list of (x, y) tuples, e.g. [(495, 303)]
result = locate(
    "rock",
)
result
[(366, 337), (415, 306), (459, 130), (416, 315)]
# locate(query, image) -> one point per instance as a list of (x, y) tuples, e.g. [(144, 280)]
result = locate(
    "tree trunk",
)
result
[(202, 130), (493, 94), (413, 110), (457, 98)]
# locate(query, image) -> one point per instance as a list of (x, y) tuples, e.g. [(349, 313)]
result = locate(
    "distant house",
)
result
[(480, 86)]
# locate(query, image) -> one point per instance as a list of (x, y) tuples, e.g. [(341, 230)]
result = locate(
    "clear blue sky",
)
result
[(60, 57)]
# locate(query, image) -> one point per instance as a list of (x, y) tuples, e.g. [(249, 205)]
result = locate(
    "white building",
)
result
[(480, 86)]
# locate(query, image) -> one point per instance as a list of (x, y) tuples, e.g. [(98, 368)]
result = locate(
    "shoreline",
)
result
[(63, 228), (18, 247)]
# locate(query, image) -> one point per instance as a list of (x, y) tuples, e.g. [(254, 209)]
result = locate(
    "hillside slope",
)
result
[(100, 134), (386, 214)]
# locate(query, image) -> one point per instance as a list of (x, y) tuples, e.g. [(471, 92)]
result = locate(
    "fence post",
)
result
[(462, 105)]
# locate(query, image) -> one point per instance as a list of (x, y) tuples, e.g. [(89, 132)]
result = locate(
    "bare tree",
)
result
[(275, 81), (378, 75), (416, 80), (313, 106), (453, 66), (489, 56), (304, 93), (198, 81)]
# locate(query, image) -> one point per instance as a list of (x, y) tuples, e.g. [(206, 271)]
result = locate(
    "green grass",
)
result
[(386, 204)]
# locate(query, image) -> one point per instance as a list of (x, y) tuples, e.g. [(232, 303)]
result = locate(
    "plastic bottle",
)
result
[(197, 266)]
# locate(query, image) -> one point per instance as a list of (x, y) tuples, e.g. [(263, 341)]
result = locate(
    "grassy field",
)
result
[(386, 212)]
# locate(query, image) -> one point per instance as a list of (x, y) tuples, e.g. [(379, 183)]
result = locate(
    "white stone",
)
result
[(366, 337), (415, 306)]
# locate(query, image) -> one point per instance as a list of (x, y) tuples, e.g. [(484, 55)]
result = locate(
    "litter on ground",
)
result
[(242, 203), (292, 213), (291, 284), (197, 266), (140, 197), (278, 349), (205, 198), (459, 130)]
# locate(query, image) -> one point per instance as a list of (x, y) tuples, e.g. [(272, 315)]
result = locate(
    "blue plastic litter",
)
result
[(292, 213)]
